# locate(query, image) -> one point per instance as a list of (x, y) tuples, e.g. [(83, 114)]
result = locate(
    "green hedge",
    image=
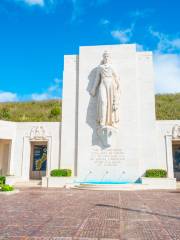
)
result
[(2, 180), (61, 173), (156, 173), (7, 188)]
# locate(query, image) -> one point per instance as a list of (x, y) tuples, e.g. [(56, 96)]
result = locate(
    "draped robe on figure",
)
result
[(106, 85)]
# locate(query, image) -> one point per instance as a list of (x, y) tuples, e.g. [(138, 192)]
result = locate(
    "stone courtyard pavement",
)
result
[(38, 214)]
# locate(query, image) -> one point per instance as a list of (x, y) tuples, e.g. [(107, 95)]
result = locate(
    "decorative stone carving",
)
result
[(106, 87), (37, 133), (105, 135), (176, 132)]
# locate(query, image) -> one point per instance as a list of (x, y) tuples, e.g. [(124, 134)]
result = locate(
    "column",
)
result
[(169, 156)]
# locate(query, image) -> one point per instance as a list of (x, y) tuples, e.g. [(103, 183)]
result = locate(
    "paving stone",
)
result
[(68, 214)]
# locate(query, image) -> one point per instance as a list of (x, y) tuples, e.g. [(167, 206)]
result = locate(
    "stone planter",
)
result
[(58, 181), (159, 183)]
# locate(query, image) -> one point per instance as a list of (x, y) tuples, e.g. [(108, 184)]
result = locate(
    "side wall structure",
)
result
[(164, 142), (19, 135)]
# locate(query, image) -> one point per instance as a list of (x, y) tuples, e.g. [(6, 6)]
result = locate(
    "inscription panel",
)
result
[(109, 157)]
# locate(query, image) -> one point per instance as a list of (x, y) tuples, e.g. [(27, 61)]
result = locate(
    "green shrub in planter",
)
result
[(6, 188), (61, 173), (2, 180), (156, 173)]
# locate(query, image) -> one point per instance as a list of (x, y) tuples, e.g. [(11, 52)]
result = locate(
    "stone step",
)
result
[(19, 181), (127, 187), (31, 183), (112, 186)]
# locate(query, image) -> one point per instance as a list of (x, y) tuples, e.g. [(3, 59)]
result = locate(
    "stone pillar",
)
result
[(26, 154), (69, 113), (11, 157), (169, 156), (49, 153)]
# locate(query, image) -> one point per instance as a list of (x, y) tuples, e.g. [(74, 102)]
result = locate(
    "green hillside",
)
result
[(45, 111), (167, 107)]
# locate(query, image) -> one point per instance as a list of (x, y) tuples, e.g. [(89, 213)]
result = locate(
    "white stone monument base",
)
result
[(159, 183), (58, 181)]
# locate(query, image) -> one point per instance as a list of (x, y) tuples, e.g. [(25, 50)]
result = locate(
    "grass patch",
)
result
[(40, 111), (167, 108)]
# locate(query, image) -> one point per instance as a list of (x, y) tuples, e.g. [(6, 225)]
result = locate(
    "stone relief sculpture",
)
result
[(106, 87), (37, 133), (176, 132)]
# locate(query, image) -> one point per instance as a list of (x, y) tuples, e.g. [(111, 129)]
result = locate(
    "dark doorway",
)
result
[(176, 159)]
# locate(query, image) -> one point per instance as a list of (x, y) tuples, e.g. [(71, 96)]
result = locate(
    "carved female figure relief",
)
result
[(106, 85)]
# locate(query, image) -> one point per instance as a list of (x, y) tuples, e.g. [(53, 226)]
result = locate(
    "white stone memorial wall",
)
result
[(133, 142)]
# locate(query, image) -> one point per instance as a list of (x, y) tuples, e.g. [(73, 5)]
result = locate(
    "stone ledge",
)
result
[(58, 181), (159, 183)]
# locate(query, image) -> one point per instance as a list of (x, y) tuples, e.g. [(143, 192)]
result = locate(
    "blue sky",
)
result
[(36, 34)]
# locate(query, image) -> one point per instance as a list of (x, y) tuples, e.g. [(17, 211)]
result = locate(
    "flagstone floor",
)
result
[(40, 214)]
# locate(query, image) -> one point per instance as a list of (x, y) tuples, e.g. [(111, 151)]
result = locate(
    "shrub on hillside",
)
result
[(156, 173), (61, 173), (55, 111), (4, 114)]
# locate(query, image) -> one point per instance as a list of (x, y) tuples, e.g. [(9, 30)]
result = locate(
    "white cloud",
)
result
[(79, 7), (8, 97), (45, 4), (39, 96), (139, 47), (53, 91), (167, 73), (165, 42), (33, 2), (166, 62), (104, 21), (55, 87), (141, 13), (123, 36)]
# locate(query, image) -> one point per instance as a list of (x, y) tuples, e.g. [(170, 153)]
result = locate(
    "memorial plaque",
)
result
[(109, 157)]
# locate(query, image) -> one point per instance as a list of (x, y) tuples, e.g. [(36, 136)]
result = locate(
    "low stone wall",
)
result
[(58, 181), (159, 183)]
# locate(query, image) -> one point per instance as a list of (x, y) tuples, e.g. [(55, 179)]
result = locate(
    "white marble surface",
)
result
[(139, 143), (69, 113), (131, 151), (159, 183), (20, 150)]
